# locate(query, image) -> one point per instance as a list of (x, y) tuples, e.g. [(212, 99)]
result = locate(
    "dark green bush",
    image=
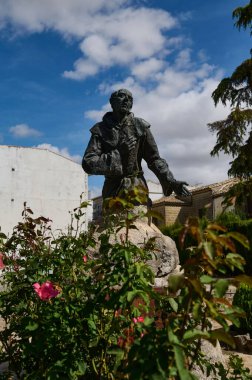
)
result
[(229, 220), (234, 222), (243, 299)]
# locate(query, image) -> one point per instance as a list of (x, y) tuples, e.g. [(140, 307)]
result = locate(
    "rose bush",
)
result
[(74, 311)]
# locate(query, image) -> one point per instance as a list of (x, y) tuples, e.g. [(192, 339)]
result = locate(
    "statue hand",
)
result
[(179, 187), (127, 145)]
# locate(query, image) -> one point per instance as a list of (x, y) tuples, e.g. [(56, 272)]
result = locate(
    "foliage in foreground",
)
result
[(243, 299), (75, 311), (229, 220), (244, 226)]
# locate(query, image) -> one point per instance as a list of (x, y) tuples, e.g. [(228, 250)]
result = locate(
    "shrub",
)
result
[(243, 299), (234, 222), (77, 310), (229, 220)]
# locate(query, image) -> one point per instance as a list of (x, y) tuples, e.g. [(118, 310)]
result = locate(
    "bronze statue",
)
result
[(117, 146)]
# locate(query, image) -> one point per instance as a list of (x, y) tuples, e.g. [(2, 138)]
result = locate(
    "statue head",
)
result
[(121, 101)]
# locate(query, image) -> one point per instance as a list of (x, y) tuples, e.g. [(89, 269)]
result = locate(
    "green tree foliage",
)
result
[(243, 299), (229, 220), (234, 134)]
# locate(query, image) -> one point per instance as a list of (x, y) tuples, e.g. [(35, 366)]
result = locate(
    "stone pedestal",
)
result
[(165, 255)]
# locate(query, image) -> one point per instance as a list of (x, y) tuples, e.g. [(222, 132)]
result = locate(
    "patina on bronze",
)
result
[(117, 146)]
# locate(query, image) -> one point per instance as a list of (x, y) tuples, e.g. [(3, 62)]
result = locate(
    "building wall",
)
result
[(205, 201), (202, 204), (218, 207), (49, 183), (97, 208), (177, 214), (172, 214), (160, 210)]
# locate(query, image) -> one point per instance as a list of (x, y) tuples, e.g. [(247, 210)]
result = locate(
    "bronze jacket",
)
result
[(107, 154)]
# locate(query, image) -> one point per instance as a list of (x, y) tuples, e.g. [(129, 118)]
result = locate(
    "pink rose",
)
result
[(138, 319), (46, 290), (85, 258), (2, 266)]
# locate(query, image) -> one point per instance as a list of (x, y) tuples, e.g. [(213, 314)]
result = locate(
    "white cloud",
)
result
[(183, 59), (82, 69), (110, 32), (23, 131), (125, 37), (62, 151), (70, 17), (146, 69)]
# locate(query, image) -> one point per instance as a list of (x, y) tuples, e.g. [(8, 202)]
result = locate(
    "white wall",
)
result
[(50, 184)]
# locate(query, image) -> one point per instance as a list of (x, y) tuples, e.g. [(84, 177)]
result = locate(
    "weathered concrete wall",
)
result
[(50, 184), (203, 201), (218, 207), (177, 214)]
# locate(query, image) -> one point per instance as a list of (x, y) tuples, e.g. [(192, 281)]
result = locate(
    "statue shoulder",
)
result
[(141, 125), (97, 129)]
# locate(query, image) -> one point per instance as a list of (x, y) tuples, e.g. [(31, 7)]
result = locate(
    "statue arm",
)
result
[(97, 162), (161, 169)]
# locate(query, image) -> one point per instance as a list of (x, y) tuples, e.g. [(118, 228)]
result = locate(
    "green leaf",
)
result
[(174, 304), (223, 336), (135, 293), (82, 367), (91, 325), (67, 309), (197, 285), (208, 246), (234, 260), (175, 282), (196, 312), (205, 279), (217, 227), (32, 326), (84, 204), (148, 321), (195, 334), (180, 363), (221, 287), (240, 238), (116, 351), (214, 313)]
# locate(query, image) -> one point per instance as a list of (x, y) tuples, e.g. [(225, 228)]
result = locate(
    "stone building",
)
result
[(49, 183), (205, 200)]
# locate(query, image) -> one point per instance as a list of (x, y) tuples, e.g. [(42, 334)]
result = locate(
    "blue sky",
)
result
[(61, 59)]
